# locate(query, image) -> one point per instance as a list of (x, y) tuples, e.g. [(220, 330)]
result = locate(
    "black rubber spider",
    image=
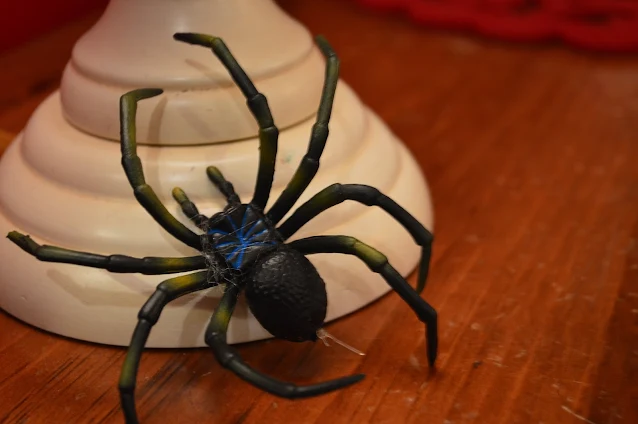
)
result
[(242, 247)]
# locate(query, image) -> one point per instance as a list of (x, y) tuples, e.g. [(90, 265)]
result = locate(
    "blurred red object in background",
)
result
[(21, 21), (602, 25)]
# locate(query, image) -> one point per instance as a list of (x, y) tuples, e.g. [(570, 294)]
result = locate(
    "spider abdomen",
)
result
[(287, 295)]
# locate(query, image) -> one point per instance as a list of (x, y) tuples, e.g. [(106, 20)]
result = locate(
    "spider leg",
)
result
[(135, 174), (223, 185), (379, 264), (112, 263), (310, 162), (258, 105), (189, 208), (229, 357), (166, 292), (370, 196)]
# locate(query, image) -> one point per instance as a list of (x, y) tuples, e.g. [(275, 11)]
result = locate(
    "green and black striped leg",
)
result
[(258, 105), (310, 162), (166, 292), (189, 208), (379, 264), (370, 196), (135, 174), (229, 357), (112, 263), (223, 185)]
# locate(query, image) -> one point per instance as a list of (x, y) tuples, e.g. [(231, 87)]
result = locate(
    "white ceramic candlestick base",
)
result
[(62, 183)]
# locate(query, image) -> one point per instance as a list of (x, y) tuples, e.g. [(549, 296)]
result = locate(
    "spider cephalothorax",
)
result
[(244, 248)]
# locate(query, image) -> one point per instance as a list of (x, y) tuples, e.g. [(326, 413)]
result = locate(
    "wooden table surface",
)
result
[(530, 153)]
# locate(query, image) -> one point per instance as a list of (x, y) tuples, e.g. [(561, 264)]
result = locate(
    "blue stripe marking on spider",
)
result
[(240, 234)]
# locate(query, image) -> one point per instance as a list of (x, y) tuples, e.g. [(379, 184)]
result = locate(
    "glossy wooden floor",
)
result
[(531, 153)]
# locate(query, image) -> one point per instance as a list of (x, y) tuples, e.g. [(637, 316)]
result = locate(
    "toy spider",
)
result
[(243, 248)]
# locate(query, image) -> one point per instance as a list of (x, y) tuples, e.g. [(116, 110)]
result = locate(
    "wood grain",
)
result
[(530, 155)]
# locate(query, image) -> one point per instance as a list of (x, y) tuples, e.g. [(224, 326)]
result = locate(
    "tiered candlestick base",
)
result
[(62, 183)]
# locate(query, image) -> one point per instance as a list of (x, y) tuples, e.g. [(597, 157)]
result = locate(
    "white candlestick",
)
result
[(62, 183)]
